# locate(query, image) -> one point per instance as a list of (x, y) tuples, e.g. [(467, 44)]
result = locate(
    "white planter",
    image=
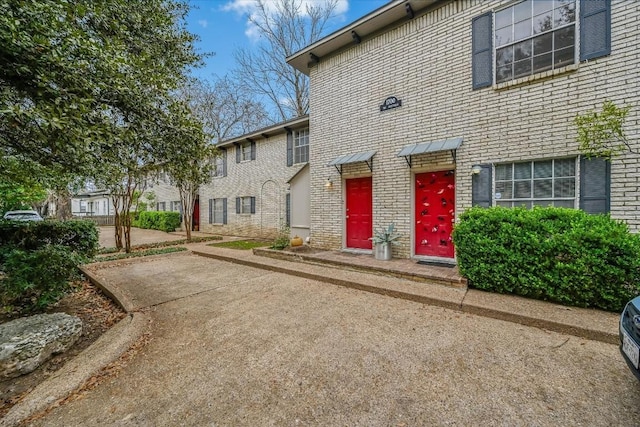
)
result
[(382, 251)]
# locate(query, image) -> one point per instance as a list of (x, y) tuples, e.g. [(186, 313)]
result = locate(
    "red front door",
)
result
[(435, 213), (359, 213), (195, 226)]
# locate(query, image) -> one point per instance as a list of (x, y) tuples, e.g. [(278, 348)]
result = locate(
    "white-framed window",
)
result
[(301, 146), (218, 167), (83, 206), (533, 36), (245, 151), (161, 206), (550, 182), (218, 211), (176, 206), (245, 205)]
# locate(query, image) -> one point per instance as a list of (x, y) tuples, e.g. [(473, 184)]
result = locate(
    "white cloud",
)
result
[(203, 23), (248, 7)]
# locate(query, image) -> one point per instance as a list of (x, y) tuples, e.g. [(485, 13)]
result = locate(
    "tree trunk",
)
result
[(63, 205), (116, 220), (187, 199)]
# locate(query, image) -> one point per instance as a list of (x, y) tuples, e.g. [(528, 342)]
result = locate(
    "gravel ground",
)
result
[(233, 345)]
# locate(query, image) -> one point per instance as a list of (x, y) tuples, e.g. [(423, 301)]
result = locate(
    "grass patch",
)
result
[(140, 253), (241, 244), (162, 244)]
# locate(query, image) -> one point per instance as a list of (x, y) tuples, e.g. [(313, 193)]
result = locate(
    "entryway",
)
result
[(434, 213), (359, 209)]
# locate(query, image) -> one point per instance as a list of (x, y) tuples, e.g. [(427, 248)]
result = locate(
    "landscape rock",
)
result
[(28, 342)]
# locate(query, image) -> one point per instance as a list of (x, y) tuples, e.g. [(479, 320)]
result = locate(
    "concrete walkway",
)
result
[(140, 294)]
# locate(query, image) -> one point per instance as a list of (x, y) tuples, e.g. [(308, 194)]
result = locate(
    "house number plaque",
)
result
[(391, 102)]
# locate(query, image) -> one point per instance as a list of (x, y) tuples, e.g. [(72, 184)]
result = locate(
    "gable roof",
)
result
[(283, 127), (390, 15)]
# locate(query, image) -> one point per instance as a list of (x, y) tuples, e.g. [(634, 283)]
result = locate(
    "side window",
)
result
[(530, 37)]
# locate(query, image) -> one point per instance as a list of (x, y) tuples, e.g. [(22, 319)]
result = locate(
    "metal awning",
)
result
[(364, 156), (451, 144)]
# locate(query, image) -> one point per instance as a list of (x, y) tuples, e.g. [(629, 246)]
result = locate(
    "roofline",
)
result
[(390, 15), (267, 132)]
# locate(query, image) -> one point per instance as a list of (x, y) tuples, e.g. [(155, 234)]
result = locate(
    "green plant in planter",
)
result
[(386, 235)]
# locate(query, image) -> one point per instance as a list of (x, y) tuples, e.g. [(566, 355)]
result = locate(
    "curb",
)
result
[(75, 373), (503, 307)]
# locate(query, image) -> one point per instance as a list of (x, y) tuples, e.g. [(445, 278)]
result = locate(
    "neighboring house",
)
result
[(422, 109), (92, 203), (249, 192)]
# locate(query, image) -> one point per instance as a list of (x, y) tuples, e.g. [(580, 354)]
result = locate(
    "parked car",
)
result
[(22, 216), (630, 335)]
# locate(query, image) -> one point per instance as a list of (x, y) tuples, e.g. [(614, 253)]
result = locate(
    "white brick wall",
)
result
[(264, 178), (426, 63)]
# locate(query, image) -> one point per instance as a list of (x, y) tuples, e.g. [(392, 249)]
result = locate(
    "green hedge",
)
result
[(158, 220), (40, 259), (561, 255)]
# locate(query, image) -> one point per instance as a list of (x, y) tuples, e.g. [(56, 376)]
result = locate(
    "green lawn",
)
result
[(242, 244)]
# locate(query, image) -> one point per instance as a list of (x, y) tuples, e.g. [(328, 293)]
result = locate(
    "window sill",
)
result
[(535, 77)]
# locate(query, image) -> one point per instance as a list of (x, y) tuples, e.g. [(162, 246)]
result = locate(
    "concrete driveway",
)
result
[(233, 345), (139, 236)]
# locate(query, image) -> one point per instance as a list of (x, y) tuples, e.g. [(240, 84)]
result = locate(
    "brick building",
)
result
[(249, 193), (422, 109)]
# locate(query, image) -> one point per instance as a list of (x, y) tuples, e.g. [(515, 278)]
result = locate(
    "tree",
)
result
[(284, 27), (19, 188), (601, 134), (69, 68), (225, 107)]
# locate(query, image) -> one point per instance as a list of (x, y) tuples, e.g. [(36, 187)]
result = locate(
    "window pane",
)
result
[(540, 6), (522, 11), (565, 167), (564, 38), (246, 205), (564, 57), (564, 15), (542, 63), (543, 203), (542, 188), (522, 50), (522, 189), (522, 30), (522, 170), (503, 172), (565, 187), (503, 36), (522, 68), (542, 44), (503, 18), (564, 204), (504, 188), (504, 56), (543, 169), (504, 74), (503, 204), (520, 204)]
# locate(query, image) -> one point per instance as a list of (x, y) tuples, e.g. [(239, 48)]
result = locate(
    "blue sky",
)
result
[(222, 27)]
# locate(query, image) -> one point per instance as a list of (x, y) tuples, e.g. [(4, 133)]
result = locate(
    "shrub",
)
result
[(37, 278), (78, 235), (158, 220), (561, 255)]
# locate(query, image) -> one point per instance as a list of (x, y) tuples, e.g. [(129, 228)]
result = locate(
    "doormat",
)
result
[(436, 264)]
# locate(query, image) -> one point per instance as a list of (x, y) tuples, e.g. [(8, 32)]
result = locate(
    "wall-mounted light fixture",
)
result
[(328, 183), (476, 169)]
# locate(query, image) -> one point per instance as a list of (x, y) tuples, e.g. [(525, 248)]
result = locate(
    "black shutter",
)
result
[(482, 50), (210, 211), (253, 150), (288, 210), (224, 162), (253, 205), (595, 185), (224, 211), (238, 152), (481, 185), (238, 202), (595, 28), (289, 148)]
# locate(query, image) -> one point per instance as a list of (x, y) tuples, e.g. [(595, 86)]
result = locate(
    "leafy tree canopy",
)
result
[(82, 78), (602, 134)]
